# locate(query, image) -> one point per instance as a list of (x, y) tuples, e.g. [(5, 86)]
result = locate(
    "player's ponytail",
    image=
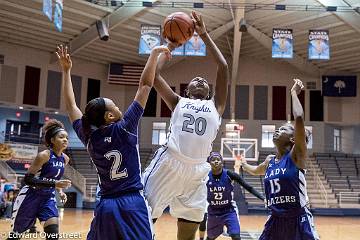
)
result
[(94, 115)]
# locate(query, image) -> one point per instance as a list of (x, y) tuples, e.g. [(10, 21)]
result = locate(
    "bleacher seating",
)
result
[(342, 172)]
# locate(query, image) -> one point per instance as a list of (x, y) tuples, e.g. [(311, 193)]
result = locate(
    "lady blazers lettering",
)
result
[(177, 175), (286, 197)]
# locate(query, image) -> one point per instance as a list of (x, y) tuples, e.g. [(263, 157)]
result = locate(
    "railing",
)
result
[(318, 183), (77, 179), (7, 172), (349, 199), (92, 193)]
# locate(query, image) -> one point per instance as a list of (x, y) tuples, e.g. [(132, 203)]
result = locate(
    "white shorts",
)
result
[(178, 182)]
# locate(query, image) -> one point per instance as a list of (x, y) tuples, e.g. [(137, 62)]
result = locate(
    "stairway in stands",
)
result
[(80, 160)]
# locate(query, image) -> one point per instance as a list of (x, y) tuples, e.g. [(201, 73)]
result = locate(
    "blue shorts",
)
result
[(216, 223), (125, 217), (31, 204), (300, 227)]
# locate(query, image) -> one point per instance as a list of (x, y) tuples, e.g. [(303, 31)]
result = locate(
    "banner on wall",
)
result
[(319, 44), (47, 8), (6, 153), (195, 46), (58, 15), (339, 86), (179, 51), (23, 151), (282, 43), (150, 38)]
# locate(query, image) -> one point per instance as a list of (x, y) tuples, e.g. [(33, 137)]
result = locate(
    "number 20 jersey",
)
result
[(193, 127)]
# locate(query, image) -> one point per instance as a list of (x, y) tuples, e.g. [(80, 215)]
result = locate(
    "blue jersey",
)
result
[(220, 193), (114, 152), (52, 170), (285, 186)]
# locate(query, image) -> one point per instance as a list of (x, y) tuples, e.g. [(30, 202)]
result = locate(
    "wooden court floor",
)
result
[(329, 228)]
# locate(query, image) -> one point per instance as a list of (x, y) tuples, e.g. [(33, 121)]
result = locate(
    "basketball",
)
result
[(178, 27)]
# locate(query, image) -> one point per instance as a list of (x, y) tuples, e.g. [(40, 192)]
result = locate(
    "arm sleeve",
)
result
[(77, 126), (132, 117), (237, 178), (32, 181)]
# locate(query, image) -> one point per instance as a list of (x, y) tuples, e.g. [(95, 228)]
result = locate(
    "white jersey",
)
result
[(193, 127)]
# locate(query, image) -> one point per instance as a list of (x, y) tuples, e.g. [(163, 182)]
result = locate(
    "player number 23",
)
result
[(116, 158), (218, 196)]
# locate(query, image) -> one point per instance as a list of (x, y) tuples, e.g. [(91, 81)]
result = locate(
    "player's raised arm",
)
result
[(256, 170), (148, 74), (222, 74), (161, 86), (298, 152), (67, 88)]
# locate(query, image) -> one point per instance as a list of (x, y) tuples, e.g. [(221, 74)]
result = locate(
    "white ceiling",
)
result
[(23, 23)]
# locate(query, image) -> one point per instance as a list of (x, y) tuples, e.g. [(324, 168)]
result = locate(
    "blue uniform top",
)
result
[(52, 170), (114, 152), (285, 186), (220, 193)]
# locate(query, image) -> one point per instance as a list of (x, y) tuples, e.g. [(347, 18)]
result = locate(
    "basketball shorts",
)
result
[(300, 227), (126, 217), (175, 181), (31, 204), (216, 223)]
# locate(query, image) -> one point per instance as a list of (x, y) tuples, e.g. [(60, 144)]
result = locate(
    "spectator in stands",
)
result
[(2, 203), (112, 142), (284, 181), (9, 198)]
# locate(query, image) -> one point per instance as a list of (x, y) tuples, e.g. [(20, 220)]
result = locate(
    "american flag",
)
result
[(123, 74)]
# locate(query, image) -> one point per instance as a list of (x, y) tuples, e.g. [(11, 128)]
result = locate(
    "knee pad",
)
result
[(202, 226), (235, 236), (52, 232)]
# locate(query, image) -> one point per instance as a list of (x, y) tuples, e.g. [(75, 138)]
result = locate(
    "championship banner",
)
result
[(23, 151), (150, 38), (58, 15), (319, 44), (195, 46), (179, 51), (282, 43), (47, 8)]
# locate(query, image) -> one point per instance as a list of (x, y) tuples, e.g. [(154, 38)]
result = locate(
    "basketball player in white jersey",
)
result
[(177, 175)]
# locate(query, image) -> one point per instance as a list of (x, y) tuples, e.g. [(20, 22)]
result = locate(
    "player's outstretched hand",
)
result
[(161, 49), (63, 197), (297, 87), (64, 184), (63, 56), (198, 23)]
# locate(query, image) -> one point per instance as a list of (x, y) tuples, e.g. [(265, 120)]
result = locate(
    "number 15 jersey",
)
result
[(193, 127)]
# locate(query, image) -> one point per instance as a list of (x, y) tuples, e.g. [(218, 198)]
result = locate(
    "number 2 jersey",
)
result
[(114, 151), (285, 186), (193, 127)]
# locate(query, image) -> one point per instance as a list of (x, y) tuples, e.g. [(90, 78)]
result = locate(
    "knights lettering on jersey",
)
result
[(193, 127), (285, 185)]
